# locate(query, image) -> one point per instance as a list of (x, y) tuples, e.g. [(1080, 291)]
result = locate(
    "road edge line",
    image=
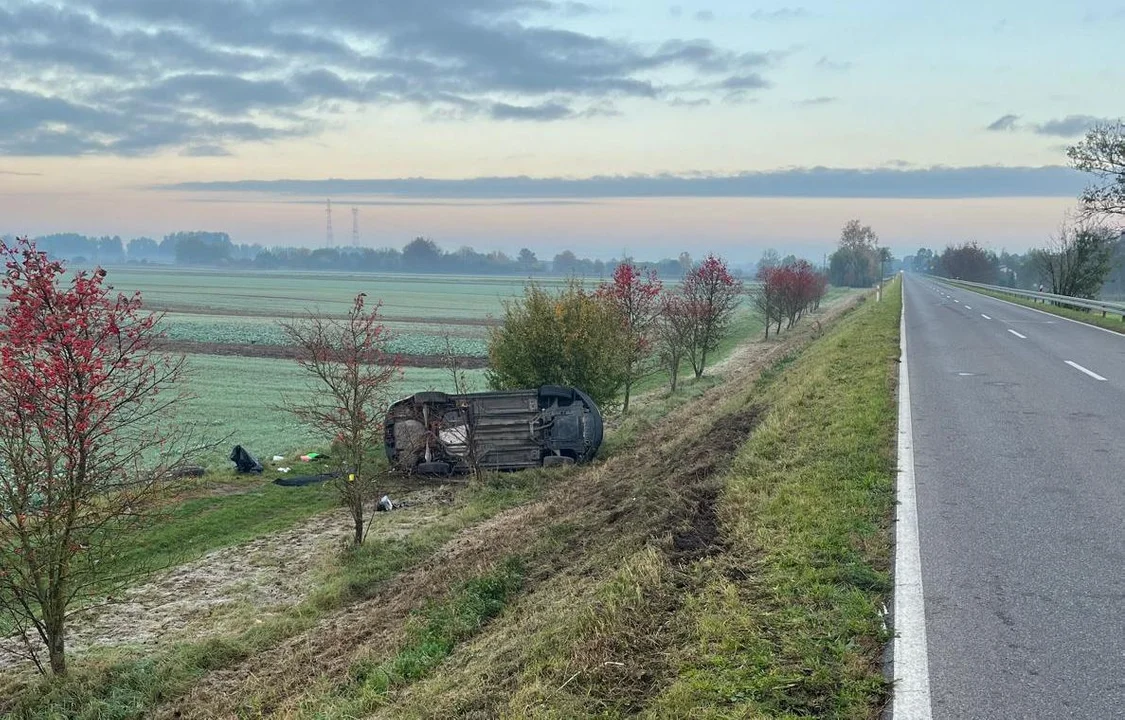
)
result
[(911, 698)]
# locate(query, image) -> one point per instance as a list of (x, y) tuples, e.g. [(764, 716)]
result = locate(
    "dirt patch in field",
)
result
[(225, 589), (405, 319)]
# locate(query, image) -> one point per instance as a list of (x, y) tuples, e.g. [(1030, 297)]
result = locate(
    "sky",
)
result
[(630, 126)]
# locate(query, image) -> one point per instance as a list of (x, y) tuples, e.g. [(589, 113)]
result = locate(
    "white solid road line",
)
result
[(985, 316), (1091, 373), (911, 666), (1021, 337), (968, 308)]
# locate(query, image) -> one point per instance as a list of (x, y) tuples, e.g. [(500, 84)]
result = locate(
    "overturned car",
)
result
[(434, 433)]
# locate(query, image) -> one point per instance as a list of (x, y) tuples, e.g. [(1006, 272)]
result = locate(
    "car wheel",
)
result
[(433, 468), (425, 398), (556, 392), (557, 461)]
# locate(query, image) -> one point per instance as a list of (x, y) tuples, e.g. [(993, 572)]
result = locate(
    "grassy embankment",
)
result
[(123, 686), (712, 589)]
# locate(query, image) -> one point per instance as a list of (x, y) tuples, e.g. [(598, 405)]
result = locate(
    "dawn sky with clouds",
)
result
[(598, 126)]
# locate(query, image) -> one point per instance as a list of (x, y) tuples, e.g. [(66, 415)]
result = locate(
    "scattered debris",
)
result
[(302, 480), (243, 461), (195, 471), (278, 458), (385, 504)]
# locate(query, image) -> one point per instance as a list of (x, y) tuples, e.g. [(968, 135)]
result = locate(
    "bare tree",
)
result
[(465, 430), (1102, 154), (88, 451), (352, 375), (675, 332)]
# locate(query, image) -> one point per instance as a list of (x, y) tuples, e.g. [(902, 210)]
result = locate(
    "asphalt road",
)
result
[(1019, 461)]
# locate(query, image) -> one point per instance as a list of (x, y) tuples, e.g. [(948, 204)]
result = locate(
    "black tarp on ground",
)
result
[(299, 480), (243, 461)]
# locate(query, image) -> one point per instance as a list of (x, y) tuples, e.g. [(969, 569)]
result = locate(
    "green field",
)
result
[(237, 398), (290, 293), (237, 401)]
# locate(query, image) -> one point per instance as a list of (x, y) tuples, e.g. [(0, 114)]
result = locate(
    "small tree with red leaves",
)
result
[(712, 295), (352, 375), (87, 451), (636, 298)]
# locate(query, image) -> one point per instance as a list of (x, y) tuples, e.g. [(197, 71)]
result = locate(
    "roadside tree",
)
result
[(351, 376), (88, 450), (1102, 154), (572, 337), (712, 295), (857, 261), (1078, 260), (675, 332), (635, 295)]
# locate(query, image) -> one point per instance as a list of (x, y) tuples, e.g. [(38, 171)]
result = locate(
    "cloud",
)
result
[(1067, 127), (577, 9), (1004, 123), (781, 14), (690, 103), (20, 174), (1070, 126), (823, 100), (705, 16), (205, 151), (821, 182), (676, 11), (544, 112), (749, 81), (825, 64), (132, 77)]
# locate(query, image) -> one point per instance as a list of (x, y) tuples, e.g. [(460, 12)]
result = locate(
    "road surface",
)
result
[(1019, 458)]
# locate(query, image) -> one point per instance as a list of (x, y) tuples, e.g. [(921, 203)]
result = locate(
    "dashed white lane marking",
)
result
[(985, 316), (1091, 373), (1021, 337), (968, 308)]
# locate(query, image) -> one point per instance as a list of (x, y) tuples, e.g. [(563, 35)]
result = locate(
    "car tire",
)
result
[(557, 461), (425, 398), (556, 392), (433, 468)]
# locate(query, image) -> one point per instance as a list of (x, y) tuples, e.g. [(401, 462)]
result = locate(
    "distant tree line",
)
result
[(421, 255)]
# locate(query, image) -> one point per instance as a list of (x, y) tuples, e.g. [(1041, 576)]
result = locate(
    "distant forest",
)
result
[(421, 255)]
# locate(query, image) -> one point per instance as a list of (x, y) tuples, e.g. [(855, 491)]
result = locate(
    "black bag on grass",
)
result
[(243, 461)]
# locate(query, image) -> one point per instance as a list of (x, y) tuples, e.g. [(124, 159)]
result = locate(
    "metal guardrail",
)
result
[(1102, 306)]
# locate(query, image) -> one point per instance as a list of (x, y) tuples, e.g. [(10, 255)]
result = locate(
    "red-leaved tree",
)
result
[(87, 451), (352, 374), (787, 292), (712, 295), (636, 298)]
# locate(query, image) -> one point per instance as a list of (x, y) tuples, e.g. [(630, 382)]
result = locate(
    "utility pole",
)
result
[(329, 241), (355, 227)]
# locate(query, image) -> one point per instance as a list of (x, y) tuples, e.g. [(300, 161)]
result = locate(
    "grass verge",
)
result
[(126, 683), (787, 621), (747, 585), (1110, 322)]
